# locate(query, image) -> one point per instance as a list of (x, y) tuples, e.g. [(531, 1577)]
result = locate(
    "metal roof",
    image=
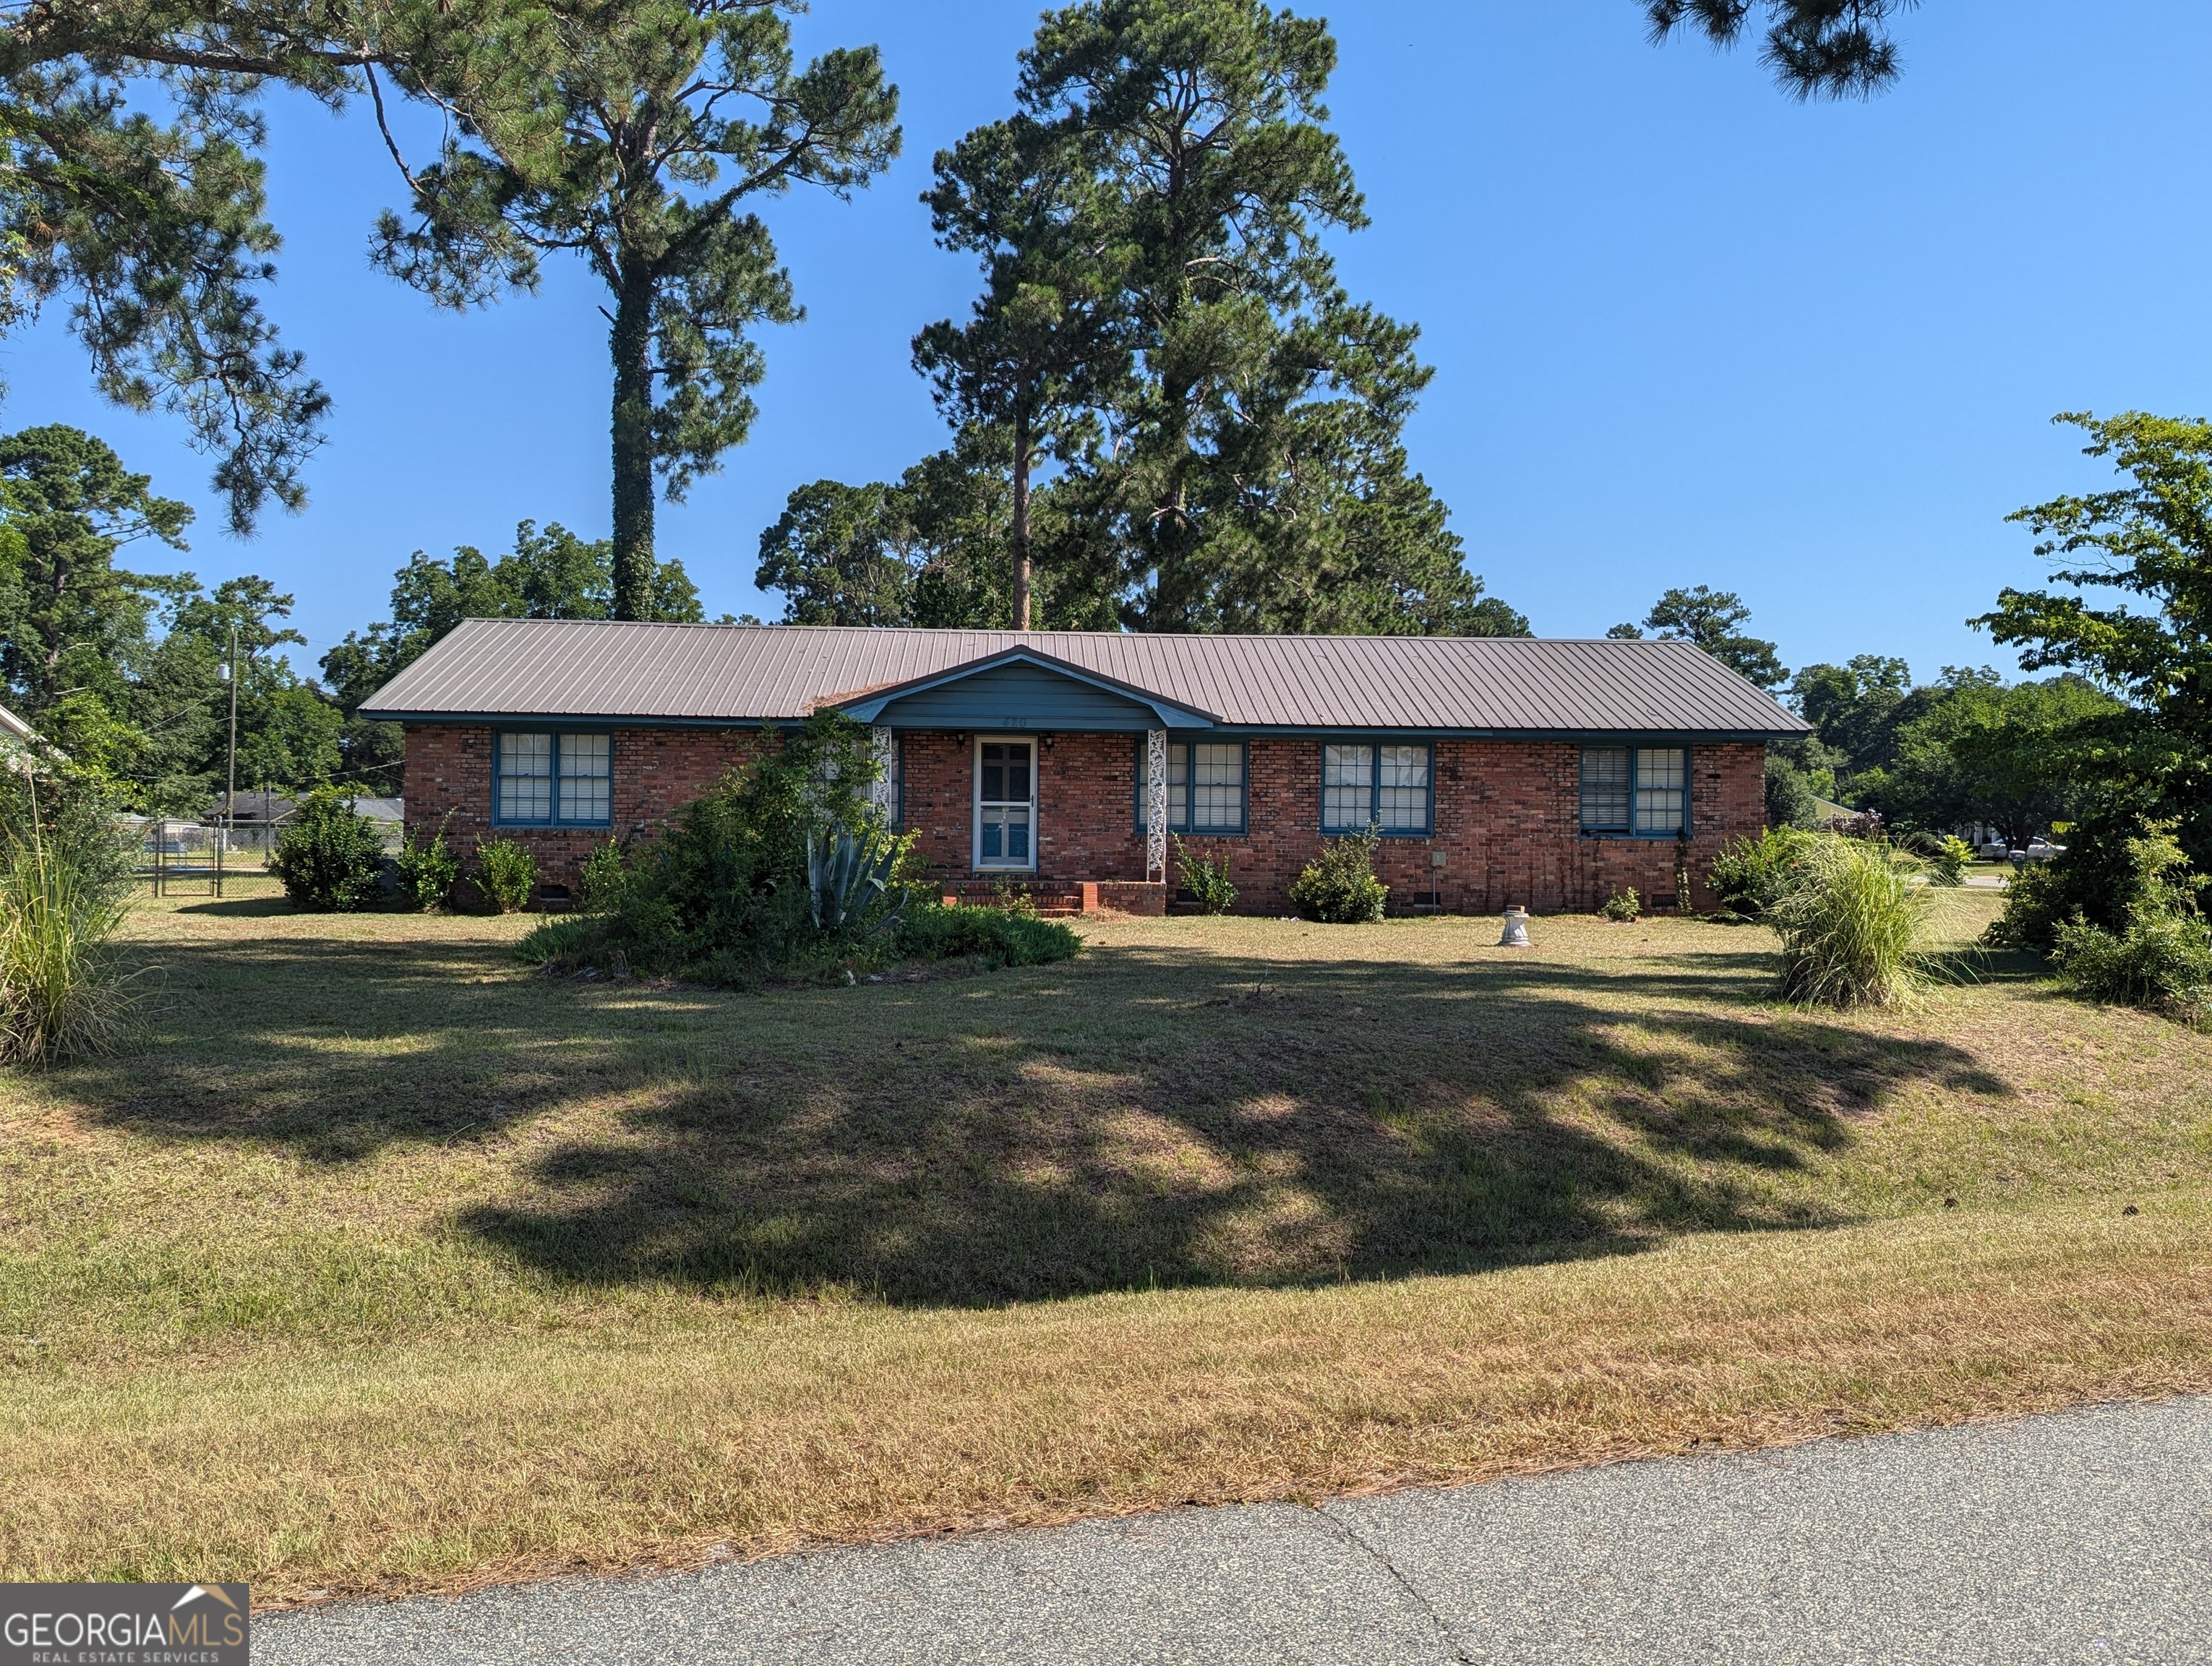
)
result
[(695, 673)]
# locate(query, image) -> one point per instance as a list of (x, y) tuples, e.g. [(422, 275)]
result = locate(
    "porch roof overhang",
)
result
[(985, 677)]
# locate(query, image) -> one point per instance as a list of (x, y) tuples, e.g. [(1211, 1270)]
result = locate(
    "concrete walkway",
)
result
[(2082, 1536)]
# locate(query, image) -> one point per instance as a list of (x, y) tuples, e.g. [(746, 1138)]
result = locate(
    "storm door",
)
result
[(1005, 804)]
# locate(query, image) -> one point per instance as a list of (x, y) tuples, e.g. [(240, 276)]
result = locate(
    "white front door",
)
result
[(1005, 804)]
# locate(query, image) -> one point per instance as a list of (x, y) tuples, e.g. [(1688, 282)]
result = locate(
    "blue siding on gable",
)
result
[(1017, 697)]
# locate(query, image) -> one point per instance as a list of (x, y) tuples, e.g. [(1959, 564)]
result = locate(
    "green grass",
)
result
[(374, 1197)]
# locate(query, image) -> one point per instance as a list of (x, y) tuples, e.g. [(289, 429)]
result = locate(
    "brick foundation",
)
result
[(1507, 815)]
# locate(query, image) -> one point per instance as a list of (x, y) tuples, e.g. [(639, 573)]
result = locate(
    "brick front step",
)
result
[(1063, 898)]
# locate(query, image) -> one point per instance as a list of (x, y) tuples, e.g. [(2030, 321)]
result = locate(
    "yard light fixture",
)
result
[(1517, 929)]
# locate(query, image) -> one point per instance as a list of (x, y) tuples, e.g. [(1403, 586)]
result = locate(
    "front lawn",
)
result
[(390, 1264)]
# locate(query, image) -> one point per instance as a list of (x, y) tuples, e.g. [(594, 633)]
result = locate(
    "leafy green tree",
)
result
[(1813, 48), (1161, 305), (634, 133), (70, 620), (933, 549), (549, 575), (837, 553), (2149, 539), (1710, 618), (2004, 756)]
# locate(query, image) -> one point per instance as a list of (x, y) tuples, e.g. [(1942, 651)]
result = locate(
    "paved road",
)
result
[(2083, 1535)]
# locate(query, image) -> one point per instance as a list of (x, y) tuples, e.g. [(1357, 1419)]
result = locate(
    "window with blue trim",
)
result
[(553, 778), (1635, 791), (1206, 787), (1369, 784)]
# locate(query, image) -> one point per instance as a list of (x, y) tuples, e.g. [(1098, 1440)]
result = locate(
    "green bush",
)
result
[(1206, 878), (1944, 855), (330, 860), (729, 895), (65, 882), (2037, 899), (1853, 925), (2118, 868), (1749, 875), (600, 889), (427, 872), (1623, 906), (931, 931), (2161, 958), (506, 873), (2161, 965), (1338, 887)]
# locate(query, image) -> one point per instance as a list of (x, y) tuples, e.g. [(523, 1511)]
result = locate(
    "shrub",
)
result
[(506, 873), (427, 874), (1853, 925), (2162, 958), (1749, 875), (931, 931), (2162, 965), (1946, 855), (2116, 871), (600, 889), (1623, 906), (330, 860), (749, 882), (1338, 887), (65, 881), (1206, 879)]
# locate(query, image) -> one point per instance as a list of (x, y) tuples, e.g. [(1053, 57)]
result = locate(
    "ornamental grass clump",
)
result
[(1854, 926), (65, 883)]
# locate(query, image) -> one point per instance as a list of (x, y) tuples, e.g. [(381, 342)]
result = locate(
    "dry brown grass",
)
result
[(390, 1266)]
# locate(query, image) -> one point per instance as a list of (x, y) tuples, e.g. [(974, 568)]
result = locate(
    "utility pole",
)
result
[(230, 783)]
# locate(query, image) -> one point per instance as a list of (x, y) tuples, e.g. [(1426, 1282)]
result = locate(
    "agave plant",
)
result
[(846, 876)]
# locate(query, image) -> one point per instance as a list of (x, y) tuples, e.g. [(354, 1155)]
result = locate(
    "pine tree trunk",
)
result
[(1021, 531), (632, 344)]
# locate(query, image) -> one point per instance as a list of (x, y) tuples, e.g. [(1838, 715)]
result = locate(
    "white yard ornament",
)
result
[(1517, 929), (1155, 805)]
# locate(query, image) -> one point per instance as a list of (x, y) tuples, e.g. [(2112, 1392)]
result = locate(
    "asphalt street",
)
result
[(2080, 1536)]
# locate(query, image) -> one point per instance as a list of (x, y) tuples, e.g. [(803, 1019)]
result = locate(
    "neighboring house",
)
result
[(1501, 770), (254, 809), (18, 740)]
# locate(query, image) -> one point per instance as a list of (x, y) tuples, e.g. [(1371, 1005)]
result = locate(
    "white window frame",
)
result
[(976, 805)]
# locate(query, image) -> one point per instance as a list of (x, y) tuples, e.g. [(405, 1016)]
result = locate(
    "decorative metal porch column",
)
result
[(1156, 805), (883, 791)]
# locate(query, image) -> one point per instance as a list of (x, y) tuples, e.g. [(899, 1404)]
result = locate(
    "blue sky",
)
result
[(1686, 331)]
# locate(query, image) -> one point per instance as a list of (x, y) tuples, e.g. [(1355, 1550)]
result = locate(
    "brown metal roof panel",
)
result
[(589, 668)]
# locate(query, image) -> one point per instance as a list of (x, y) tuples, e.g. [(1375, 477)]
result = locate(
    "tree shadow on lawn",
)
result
[(1142, 1115)]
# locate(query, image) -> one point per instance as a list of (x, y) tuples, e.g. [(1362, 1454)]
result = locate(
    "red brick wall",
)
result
[(656, 773), (1507, 813)]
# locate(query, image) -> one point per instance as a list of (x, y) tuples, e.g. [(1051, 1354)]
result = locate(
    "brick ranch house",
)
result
[(1500, 770)]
